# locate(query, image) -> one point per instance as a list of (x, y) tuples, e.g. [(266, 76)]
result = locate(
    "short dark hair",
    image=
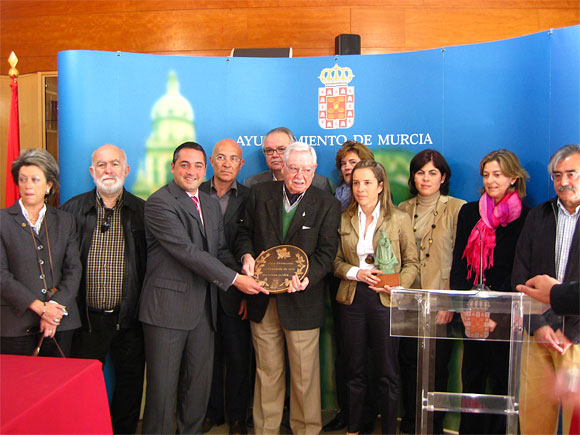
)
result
[(421, 159), (284, 130), (190, 145)]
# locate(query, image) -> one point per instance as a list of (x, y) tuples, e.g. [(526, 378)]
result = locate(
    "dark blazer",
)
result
[(20, 282), (319, 181), (536, 254), (182, 263), (497, 277), (233, 217), (565, 298), (84, 208), (313, 229)]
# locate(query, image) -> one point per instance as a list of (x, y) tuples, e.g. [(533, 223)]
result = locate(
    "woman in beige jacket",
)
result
[(365, 309), (434, 216)]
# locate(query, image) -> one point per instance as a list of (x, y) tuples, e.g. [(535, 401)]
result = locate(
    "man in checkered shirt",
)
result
[(549, 244), (111, 230)]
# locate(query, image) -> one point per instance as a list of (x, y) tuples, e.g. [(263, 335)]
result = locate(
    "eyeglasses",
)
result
[(222, 159), (293, 170), (270, 151), (570, 176), (107, 220)]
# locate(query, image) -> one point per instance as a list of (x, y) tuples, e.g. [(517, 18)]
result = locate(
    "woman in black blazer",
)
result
[(40, 268), (500, 216)]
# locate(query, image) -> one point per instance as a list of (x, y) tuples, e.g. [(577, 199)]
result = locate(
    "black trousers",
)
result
[(368, 321), (128, 356), (370, 407), (26, 344), (233, 341), (483, 362), (408, 367)]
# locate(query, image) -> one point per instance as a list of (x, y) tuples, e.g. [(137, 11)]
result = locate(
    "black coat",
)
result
[(314, 229), (84, 208), (497, 277), (233, 217), (536, 255), (20, 282)]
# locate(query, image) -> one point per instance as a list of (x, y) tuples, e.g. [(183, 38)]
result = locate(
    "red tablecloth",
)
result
[(52, 396)]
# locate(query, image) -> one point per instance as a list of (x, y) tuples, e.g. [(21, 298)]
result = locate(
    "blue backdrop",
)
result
[(521, 94)]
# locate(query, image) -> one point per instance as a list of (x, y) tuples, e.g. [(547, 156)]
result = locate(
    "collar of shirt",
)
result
[(233, 187), (117, 205), (564, 210), (274, 177), (41, 214), (291, 200), (376, 213)]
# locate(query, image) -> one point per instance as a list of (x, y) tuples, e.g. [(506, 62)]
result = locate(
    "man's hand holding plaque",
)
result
[(279, 269)]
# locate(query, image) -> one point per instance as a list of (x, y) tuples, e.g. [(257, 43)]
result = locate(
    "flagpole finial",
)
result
[(13, 60)]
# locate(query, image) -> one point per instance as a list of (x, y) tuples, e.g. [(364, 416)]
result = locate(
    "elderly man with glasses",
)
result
[(290, 212), (274, 145), (550, 244)]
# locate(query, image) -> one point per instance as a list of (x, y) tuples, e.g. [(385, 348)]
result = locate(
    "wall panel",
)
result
[(38, 30)]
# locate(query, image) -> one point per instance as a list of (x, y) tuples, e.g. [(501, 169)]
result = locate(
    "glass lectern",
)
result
[(482, 315)]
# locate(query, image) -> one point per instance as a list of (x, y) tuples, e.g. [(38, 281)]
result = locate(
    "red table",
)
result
[(52, 396)]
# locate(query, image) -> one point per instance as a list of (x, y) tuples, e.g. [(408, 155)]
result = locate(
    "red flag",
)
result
[(12, 193)]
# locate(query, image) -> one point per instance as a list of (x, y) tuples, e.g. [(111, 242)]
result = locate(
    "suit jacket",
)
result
[(20, 282), (536, 255), (313, 229), (565, 298), (435, 268), (233, 217), (399, 231), (319, 181), (497, 277), (182, 259)]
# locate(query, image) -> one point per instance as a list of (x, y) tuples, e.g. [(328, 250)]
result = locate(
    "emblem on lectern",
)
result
[(476, 319)]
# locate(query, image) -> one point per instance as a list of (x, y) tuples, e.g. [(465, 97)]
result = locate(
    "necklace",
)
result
[(433, 226)]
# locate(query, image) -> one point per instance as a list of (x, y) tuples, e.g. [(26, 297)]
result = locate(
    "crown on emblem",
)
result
[(336, 76)]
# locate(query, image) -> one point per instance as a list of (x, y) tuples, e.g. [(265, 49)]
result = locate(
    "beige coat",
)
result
[(400, 233), (436, 268)]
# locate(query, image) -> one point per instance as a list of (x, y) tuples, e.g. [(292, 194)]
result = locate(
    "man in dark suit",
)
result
[(184, 230), (563, 297), (112, 234), (296, 213), (232, 338), (273, 146)]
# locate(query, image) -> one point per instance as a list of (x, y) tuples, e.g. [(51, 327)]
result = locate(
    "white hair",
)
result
[(299, 146)]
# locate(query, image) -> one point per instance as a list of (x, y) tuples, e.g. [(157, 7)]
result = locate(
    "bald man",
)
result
[(114, 255), (232, 347)]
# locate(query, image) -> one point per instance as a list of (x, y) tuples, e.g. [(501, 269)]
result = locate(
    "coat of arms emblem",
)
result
[(336, 98)]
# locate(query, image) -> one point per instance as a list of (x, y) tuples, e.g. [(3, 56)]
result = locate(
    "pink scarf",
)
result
[(492, 216)]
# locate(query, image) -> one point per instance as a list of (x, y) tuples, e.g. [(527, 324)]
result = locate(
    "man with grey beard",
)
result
[(550, 244), (111, 231)]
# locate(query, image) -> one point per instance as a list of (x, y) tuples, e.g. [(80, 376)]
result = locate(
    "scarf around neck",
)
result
[(492, 216)]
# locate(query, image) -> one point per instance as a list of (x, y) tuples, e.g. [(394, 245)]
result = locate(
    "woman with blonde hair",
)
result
[(497, 220), (371, 223)]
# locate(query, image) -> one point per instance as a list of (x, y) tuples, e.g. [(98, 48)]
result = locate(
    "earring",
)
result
[(47, 191)]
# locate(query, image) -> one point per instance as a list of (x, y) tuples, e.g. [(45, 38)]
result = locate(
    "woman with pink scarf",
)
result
[(499, 216)]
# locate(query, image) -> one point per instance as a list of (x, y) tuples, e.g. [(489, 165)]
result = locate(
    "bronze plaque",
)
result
[(275, 267)]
